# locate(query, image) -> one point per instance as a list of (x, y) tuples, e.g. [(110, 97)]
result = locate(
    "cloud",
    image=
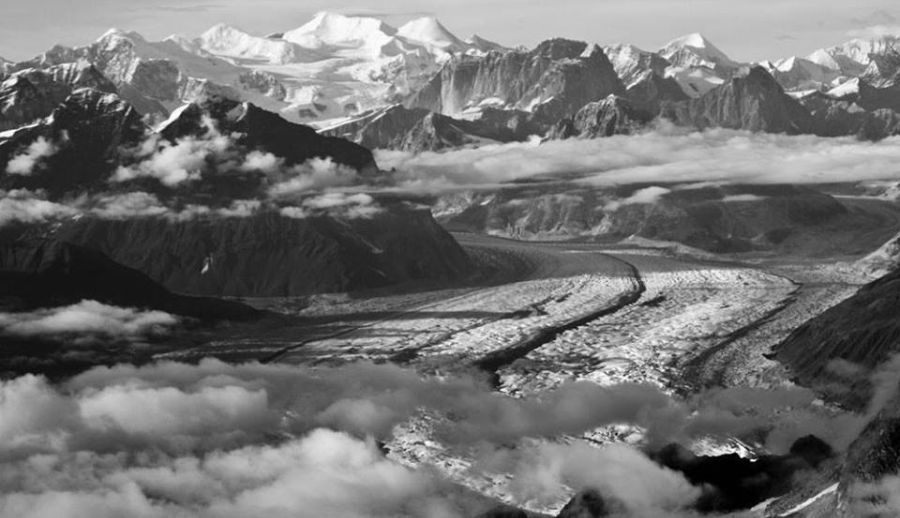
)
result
[(25, 162), (129, 205), (315, 174), (876, 31), (619, 472), (26, 206), (647, 195), (87, 318), (663, 157), (183, 161), (742, 197), (236, 440), (213, 439), (351, 206)]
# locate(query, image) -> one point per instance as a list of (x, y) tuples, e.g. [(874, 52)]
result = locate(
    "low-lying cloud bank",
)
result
[(665, 156), (214, 439), (87, 320)]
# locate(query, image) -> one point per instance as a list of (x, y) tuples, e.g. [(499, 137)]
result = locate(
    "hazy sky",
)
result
[(745, 29)]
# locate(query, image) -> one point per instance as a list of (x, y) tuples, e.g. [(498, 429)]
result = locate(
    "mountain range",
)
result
[(344, 74)]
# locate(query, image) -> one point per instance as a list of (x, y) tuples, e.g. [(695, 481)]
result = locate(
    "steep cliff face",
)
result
[(273, 255), (753, 101), (32, 94), (556, 78), (611, 116)]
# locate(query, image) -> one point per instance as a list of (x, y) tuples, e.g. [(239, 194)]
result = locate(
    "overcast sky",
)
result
[(745, 29)]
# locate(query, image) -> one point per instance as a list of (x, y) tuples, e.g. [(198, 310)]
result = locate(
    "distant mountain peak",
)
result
[(429, 30), (114, 34), (696, 50), (338, 29), (695, 40)]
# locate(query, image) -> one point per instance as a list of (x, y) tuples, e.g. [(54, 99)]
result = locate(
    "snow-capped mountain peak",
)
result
[(431, 32), (852, 57), (696, 50), (479, 44), (338, 30), (230, 42), (694, 40)]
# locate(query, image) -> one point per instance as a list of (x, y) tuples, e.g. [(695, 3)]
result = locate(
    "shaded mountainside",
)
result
[(94, 133), (836, 351), (259, 129), (754, 102), (88, 131), (834, 118), (40, 273), (273, 255), (258, 252)]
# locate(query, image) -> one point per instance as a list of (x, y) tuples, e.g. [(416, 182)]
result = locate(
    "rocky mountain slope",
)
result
[(230, 197), (553, 80), (750, 101), (837, 351)]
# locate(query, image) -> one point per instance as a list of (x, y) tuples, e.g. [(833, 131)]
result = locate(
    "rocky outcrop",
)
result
[(752, 101), (555, 79), (611, 116), (273, 255)]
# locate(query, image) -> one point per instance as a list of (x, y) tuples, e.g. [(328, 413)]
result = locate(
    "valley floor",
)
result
[(554, 312)]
